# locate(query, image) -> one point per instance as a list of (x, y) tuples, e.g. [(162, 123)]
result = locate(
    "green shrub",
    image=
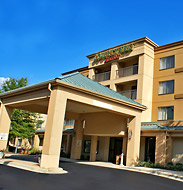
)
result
[(179, 166), (35, 151), (149, 164), (170, 163), (158, 165), (169, 166), (142, 164), (145, 164)]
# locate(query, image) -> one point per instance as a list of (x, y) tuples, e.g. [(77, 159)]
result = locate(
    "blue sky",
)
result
[(40, 39)]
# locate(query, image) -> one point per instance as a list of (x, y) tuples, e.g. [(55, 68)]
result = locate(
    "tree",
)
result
[(23, 123), (13, 84)]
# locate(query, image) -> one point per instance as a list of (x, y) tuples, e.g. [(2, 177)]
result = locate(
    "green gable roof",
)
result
[(79, 80)]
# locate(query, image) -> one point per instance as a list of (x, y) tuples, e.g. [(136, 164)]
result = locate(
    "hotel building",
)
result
[(136, 111), (151, 75)]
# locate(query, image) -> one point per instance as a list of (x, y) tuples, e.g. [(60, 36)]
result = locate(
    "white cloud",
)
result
[(2, 79)]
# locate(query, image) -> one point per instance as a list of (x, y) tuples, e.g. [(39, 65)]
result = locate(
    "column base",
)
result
[(49, 161), (131, 161)]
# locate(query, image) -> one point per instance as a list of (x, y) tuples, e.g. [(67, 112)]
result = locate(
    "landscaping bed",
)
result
[(168, 166)]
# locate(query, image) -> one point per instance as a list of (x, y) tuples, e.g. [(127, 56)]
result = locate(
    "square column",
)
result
[(93, 148), (160, 152), (114, 68), (91, 73), (133, 146), (106, 148), (169, 149), (145, 81), (36, 142), (77, 140), (53, 131), (5, 121)]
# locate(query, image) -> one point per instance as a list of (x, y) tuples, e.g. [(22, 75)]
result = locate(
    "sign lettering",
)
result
[(113, 53)]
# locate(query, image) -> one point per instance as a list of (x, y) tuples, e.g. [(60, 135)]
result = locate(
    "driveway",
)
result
[(83, 177)]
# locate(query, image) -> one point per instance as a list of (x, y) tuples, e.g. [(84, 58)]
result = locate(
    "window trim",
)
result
[(169, 92), (169, 67), (166, 119)]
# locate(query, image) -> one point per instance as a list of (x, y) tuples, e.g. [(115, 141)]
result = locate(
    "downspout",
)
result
[(49, 87)]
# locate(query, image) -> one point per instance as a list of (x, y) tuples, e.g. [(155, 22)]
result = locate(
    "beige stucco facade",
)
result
[(176, 73), (104, 126), (136, 74)]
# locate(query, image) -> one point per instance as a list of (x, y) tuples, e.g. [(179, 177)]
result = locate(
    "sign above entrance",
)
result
[(114, 53)]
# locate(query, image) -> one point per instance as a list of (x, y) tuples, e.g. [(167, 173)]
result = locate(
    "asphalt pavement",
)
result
[(83, 177)]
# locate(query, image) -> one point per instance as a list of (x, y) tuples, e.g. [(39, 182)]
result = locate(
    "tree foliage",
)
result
[(13, 83), (23, 123)]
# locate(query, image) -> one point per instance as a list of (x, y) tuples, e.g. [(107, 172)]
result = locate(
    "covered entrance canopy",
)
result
[(96, 109)]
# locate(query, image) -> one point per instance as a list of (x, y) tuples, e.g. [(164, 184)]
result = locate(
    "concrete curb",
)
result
[(35, 169), (157, 172), (175, 175)]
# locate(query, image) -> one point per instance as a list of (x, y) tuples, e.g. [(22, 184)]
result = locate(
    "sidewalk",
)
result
[(175, 175), (16, 161)]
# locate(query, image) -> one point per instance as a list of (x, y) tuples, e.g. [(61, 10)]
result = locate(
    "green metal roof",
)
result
[(156, 126), (152, 126), (79, 80)]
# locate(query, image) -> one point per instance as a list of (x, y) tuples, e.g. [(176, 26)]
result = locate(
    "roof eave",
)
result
[(26, 89), (170, 45), (100, 95)]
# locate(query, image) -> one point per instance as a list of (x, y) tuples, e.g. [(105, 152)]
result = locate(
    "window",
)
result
[(87, 145), (166, 113), (166, 62), (41, 141), (19, 142), (166, 87), (69, 122)]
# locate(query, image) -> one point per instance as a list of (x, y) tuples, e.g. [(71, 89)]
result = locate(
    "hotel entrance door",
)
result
[(115, 148), (150, 145)]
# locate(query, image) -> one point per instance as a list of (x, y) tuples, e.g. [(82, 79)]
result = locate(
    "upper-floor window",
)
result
[(166, 62), (166, 87), (166, 113)]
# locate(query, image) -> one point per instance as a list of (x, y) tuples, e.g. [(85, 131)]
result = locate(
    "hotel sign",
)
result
[(113, 54)]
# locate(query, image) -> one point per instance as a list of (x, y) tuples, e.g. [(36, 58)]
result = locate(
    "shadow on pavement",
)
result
[(32, 158)]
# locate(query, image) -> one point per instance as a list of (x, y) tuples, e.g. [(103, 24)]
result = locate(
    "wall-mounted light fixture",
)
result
[(129, 134)]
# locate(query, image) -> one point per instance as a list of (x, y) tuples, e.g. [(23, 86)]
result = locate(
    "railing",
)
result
[(127, 71), (102, 76), (129, 94)]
